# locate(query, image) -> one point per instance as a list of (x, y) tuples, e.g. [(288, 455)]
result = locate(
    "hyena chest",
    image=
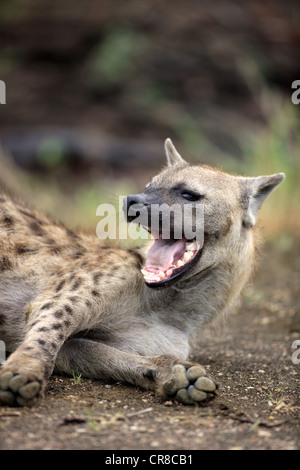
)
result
[(15, 295)]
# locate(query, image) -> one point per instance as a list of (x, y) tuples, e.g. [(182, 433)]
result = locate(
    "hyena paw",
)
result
[(19, 389), (189, 385)]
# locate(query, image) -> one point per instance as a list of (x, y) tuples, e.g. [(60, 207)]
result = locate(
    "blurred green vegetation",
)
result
[(114, 59)]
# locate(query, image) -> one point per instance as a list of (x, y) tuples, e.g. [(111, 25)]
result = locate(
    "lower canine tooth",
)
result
[(161, 275), (179, 263)]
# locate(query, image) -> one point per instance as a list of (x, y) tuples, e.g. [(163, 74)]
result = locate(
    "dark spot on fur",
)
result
[(47, 306), (56, 326), (36, 228), (60, 285), (68, 309), (27, 213), (60, 336), (76, 284), (5, 263), (71, 234), (88, 303), (67, 323), (58, 314), (96, 277), (8, 221), (95, 293), (78, 254), (23, 250), (55, 250), (43, 328), (74, 299), (53, 345), (150, 374), (41, 342)]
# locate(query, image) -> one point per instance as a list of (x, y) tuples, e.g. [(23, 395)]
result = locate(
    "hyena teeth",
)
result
[(187, 256), (155, 278), (179, 263), (161, 275)]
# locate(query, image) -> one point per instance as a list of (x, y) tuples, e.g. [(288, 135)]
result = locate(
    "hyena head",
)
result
[(199, 217)]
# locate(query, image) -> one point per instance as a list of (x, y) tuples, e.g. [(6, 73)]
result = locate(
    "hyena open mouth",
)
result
[(167, 260)]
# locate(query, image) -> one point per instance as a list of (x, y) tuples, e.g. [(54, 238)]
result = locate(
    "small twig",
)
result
[(5, 414), (257, 422), (140, 412)]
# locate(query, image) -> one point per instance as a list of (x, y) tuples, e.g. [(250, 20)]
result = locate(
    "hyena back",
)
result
[(70, 303)]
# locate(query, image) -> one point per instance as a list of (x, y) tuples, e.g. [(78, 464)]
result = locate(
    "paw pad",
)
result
[(189, 386), (18, 390)]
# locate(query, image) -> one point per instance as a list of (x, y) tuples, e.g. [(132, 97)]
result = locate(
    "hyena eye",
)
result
[(191, 196)]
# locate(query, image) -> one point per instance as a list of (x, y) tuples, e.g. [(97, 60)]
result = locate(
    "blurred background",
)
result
[(93, 89)]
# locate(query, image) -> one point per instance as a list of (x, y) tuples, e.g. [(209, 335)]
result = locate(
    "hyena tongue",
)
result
[(164, 253)]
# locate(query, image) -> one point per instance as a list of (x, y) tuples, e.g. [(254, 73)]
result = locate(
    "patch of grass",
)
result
[(77, 378)]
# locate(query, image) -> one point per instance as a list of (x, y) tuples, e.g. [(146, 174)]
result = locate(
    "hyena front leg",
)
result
[(24, 374), (169, 377)]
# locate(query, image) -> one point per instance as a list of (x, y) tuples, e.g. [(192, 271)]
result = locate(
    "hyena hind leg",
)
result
[(170, 377)]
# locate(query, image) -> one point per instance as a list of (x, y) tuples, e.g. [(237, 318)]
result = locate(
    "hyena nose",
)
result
[(133, 205)]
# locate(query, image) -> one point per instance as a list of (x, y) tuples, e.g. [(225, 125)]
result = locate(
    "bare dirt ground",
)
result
[(258, 405)]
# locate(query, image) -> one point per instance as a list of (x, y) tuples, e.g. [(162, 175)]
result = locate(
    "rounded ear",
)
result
[(255, 191), (173, 156)]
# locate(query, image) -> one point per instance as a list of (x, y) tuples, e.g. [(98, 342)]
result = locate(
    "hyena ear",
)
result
[(173, 156), (254, 192)]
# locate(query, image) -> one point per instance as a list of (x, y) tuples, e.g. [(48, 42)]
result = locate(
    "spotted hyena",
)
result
[(68, 302)]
